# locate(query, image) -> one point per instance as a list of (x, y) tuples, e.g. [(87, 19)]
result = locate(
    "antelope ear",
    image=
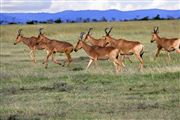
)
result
[(157, 30), (154, 29)]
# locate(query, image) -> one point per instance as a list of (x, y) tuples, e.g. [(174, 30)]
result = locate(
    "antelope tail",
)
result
[(142, 52)]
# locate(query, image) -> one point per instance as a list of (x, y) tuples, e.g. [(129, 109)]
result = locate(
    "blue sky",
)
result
[(53, 6)]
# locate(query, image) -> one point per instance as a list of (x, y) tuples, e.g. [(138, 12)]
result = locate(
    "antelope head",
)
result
[(107, 37), (18, 38), (154, 34), (40, 37), (79, 43), (88, 34)]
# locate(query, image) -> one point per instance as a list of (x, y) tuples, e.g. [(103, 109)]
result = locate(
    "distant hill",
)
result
[(116, 15)]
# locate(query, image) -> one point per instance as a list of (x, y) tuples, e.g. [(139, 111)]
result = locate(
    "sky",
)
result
[(53, 6)]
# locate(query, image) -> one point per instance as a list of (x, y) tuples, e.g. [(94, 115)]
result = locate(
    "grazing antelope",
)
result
[(126, 47), (52, 46), (93, 41), (96, 53), (30, 42), (168, 45)]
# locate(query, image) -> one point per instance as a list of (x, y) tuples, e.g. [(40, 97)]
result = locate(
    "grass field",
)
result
[(28, 91)]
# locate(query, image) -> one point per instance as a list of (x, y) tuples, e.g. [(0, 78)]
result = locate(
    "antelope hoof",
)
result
[(117, 72), (45, 67), (140, 68)]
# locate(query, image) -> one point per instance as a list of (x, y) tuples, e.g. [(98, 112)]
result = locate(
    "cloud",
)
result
[(57, 6), (24, 5), (61, 5)]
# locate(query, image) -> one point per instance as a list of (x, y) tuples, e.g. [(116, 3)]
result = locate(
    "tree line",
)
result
[(86, 20)]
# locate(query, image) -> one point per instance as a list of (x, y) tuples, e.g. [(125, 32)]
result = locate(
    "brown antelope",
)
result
[(93, 41), (168, 45), (126, 47), (99, 42), (52, 46), (96, 53), (30, 42)]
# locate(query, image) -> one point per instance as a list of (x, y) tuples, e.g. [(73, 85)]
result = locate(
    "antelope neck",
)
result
[(86, 47), (25, 40), (157, 38), (113, 41)]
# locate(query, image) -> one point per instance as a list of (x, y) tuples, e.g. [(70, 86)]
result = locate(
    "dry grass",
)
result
[(28, 91)]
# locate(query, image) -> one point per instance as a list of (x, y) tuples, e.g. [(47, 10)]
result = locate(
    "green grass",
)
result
[(29, 91)]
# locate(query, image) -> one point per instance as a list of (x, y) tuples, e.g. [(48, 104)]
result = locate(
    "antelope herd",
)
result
[(104, 48)]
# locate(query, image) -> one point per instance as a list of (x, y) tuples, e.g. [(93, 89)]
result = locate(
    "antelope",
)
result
[(52, 46), (93, 41), (99, 53), (98, 42), (30, 42), (126, 47), (168, 45)]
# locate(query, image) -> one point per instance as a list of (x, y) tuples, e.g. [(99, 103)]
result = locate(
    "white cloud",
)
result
[(61, 5), (24, 5), (165, 4), (57, 6)]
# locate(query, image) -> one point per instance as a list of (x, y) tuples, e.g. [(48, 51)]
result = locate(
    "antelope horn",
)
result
[(106, 30), (89, 31), (153, 29), (81, 35), (40, 30), (110, 30), (19, 31), (156, 29)]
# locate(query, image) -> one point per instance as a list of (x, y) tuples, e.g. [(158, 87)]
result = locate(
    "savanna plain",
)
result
[(29, 91)]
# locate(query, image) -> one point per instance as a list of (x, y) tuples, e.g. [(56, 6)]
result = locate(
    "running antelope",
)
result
[(99, 53), (168, 45), (30, 42), (126, 47), (93, 41), (52, 46), (99, 42)]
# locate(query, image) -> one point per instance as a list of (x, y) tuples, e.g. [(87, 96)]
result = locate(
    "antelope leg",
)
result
[(47, 55), (32, 56), (169, 57), (55, 61), (46, 61), (116, 67), (69, 59), (33, 53), (129, 59), (89, 64), (141, 61), (157, 53)]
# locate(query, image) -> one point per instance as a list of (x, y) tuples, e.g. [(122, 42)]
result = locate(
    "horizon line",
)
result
[(93, 10)]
